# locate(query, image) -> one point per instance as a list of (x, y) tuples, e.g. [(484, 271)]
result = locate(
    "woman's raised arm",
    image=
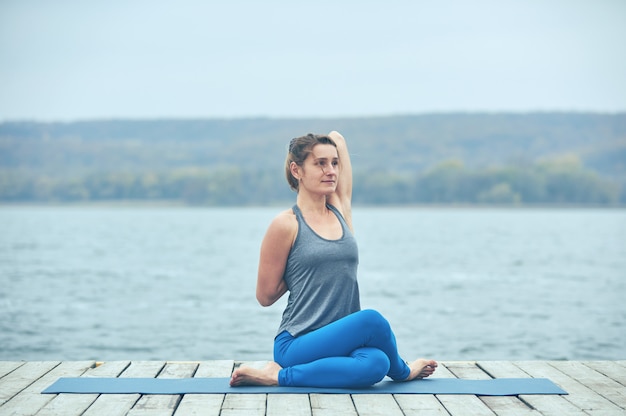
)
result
[(342, 197)]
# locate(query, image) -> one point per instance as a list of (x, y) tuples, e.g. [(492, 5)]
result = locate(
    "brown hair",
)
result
[(299, 150)]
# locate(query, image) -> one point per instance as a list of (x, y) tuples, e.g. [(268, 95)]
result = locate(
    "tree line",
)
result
[(450, 182), (534, 158)]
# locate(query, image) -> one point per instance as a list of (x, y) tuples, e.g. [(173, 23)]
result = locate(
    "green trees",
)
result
[(547, 182), (536, 158)]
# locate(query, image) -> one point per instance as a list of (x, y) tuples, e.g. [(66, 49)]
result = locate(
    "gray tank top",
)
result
[(321, 276)]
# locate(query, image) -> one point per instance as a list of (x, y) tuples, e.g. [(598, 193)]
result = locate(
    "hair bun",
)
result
[(292, 143)]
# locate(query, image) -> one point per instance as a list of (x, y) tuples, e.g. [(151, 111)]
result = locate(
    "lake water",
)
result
[(109, 283)]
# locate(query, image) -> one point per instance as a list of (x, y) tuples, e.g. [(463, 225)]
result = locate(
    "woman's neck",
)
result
[(315, 204)]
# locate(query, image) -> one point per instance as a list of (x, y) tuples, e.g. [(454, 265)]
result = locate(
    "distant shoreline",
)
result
[(548, 159), (181, 204)]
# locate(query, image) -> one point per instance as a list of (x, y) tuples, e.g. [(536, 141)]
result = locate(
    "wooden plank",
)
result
[(500, 405), (200, 405), (376, 405), (8, 366), (460, 404), (598, 382), (420, 405), (16, 381), (552, 405), (288, 404), (206, 404), (610, 369), (76, 404), (216, 368), (579, 395), (424, 404), (120, 404), (244, 405), (163, 404), (595, 387), (464, 405), (30, 400), (332, 405), (501, 369)]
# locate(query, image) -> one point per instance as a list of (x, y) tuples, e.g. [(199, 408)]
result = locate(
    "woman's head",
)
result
[(299, 149)]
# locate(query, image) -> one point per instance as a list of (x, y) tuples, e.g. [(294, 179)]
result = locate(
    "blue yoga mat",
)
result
[(494, 387)]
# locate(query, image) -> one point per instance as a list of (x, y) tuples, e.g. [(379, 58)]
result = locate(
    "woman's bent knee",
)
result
[(375, 321), (375, 366)]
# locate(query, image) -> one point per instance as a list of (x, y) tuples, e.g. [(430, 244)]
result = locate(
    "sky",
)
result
[(69, 60)]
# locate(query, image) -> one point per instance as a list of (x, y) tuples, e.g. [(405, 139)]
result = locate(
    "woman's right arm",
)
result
[(273, 259)]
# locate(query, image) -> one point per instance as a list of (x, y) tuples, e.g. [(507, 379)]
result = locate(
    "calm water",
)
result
[(179, 283)]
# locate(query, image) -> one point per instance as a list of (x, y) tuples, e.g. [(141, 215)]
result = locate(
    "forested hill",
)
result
[(577, 158)]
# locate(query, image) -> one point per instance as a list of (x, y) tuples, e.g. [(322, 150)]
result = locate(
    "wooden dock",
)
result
[(594, 387)]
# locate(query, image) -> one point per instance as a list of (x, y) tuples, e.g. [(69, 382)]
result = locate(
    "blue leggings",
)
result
[(353, 352)]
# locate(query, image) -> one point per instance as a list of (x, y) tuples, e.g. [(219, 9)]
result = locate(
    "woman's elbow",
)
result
[(265, 300), (335, 135), (268, 294)]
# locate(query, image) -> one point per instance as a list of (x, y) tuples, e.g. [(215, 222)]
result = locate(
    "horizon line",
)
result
[(304, 117)]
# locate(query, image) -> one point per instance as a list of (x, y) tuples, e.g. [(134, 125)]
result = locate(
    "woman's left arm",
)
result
[(342, 197)]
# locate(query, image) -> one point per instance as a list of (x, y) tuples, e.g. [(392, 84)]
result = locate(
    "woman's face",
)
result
[(320, 170)]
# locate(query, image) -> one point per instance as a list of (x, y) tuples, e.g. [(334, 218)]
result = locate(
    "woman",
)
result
[(325, 339)]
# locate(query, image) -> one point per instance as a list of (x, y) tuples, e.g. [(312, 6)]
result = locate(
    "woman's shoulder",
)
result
[(284, 223), (281, 232)]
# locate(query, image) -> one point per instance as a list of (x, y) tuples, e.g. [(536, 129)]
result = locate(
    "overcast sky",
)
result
[(76, 59)]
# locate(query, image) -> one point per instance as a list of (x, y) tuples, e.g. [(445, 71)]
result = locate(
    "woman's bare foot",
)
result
[(421, 369), (248, 376)]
